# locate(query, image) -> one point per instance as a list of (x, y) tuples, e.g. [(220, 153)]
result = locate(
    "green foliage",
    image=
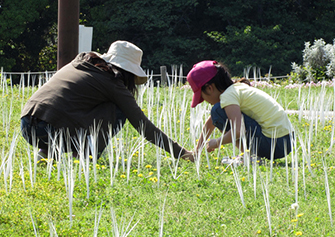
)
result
[(262, 33), (47, 60), (267, 33), (168, 32), (24, 28), (205, 206), (250, 47), (318, 62)]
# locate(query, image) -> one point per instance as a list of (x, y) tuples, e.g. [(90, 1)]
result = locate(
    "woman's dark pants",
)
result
[(39, 133)]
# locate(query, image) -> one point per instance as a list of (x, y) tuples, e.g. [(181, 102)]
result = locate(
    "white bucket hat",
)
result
[(127, 56)]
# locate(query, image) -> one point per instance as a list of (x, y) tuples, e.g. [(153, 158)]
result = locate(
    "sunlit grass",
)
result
[(138, 189)]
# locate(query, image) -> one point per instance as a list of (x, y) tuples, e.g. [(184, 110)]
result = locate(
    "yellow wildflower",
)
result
[(43, 160), (122, 176), (140, 175), (154, 179), (151, 173), (148, 166), (300, 215), (298, 233), (76, 161), (294, 220)]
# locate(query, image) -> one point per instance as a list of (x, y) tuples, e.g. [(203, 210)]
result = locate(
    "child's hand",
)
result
[(212, 145)]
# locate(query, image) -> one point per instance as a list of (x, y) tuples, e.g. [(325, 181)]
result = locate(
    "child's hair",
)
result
[(127, 77), (222, 80)]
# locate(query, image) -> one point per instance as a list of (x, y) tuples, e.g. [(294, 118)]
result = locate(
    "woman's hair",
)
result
[(222, 80), (127, 77)]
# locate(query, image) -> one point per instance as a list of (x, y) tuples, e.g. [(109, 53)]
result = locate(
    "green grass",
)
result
[(205, 206)]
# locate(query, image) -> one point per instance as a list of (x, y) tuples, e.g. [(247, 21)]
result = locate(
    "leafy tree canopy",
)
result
[(241, 33), (24, 32)]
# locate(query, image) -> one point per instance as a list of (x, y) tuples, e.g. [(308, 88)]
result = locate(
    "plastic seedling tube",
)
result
[(161, 216), (22, 174), (139, 142), (93, 144), (97, 221), (327, 191), (238, 183), (33, 222), (267, 203), (35, 152), (119, 229), (273, 145)]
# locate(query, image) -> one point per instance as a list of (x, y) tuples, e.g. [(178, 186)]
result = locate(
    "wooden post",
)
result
[(68, 31), (163, 76)]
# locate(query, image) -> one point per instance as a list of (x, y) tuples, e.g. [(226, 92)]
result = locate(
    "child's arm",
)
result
[(234, 115), (206, 131)]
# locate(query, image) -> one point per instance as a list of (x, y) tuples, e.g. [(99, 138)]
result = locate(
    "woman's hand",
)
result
[(188, 155)]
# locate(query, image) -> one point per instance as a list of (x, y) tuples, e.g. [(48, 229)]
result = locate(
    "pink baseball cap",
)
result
[(200, 74)]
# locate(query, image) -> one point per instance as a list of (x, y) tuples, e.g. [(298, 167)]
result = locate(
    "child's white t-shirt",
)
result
[(260, 106)]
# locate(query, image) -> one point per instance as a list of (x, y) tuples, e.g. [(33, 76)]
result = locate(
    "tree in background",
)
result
[(264, 33), (240, 33), (168, 31), (25, 32)]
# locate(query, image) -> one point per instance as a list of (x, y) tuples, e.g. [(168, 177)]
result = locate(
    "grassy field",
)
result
[(136, 189)]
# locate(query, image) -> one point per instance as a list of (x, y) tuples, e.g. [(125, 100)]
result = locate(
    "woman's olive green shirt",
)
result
[(81, 95)]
